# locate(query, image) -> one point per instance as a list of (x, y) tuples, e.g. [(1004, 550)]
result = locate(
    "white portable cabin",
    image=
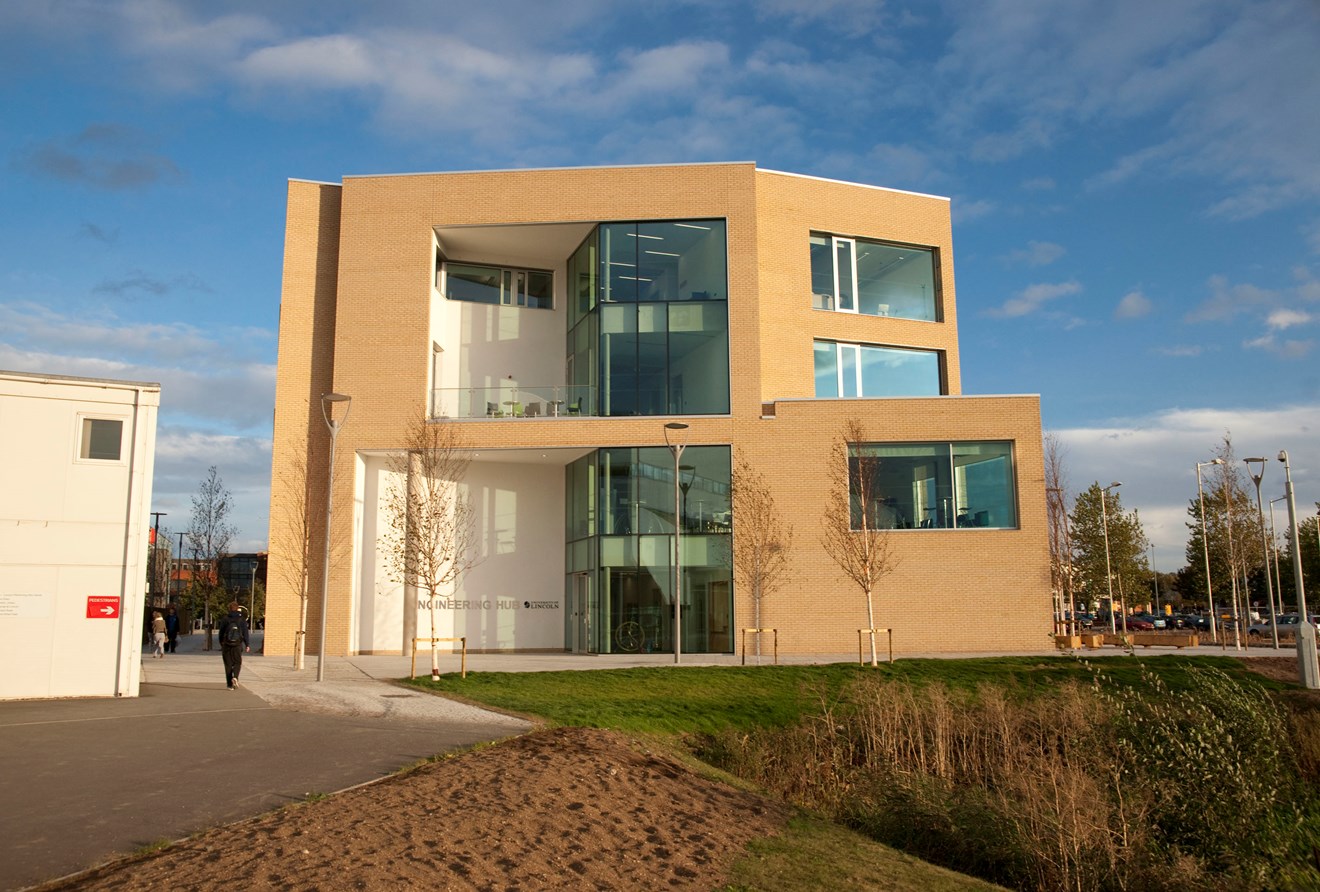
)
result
[(76, 459)]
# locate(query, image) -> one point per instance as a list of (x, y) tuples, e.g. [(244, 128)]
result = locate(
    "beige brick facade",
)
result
[(355, 318)]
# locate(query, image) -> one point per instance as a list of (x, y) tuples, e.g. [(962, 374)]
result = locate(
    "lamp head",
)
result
[(676, 426), (335, 398), (1115, 484), (1283, 455)]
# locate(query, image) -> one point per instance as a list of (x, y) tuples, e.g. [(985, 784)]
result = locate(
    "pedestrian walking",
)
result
[(171, 630), (233, 643), (157, 635)]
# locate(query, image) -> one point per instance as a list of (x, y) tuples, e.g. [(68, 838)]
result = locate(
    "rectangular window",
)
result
[(864, 370), (101, 439), (874, 278), (499, 286), (936, 485)]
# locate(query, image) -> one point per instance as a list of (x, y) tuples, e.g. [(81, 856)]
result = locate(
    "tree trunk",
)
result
[(870, 625)]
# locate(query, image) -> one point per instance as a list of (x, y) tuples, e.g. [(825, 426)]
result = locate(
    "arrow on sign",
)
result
[(107, 611)]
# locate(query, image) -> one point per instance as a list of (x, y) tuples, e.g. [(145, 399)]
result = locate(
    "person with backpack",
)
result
[(233, 643)]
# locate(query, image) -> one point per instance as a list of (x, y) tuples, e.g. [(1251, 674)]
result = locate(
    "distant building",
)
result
[(561, 318), (76, 468)]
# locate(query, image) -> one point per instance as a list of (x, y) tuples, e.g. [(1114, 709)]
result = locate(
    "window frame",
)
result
[(857, 367), (514, 283), (835, 303), (83, 442), (947, 516)]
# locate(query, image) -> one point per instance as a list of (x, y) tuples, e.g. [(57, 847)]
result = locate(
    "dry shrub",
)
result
[(1086, 788)]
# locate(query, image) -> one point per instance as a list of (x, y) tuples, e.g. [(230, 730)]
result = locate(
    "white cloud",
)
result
[(966, 211), (1134, 305), (1033, 297), (1222, 90), (182, 459), (212, 378), (1037, 254), (1181, 350), (1155, 457), (1284, 318)]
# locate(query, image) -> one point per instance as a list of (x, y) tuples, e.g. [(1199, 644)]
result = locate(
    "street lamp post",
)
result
[(677, 449), (1109, 574), (1274, 550), (327, 412), (1307, 668), (1205, 550), (1232, 562), (1257, 474)]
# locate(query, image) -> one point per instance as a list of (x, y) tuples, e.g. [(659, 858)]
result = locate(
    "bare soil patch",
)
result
[(565, 808), (1276, 668)]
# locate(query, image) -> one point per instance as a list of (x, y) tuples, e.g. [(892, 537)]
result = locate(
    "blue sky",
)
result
[(1134, 188)]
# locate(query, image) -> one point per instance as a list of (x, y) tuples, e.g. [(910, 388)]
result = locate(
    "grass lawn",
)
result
[(689, 699)]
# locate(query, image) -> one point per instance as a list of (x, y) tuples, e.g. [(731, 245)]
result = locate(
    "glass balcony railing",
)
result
[(522, 401)]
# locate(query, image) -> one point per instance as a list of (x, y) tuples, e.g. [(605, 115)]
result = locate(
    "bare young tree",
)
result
[(1056, 508), (209, 535), (430, 537), (294, 526), (762, 541), (854, 533)]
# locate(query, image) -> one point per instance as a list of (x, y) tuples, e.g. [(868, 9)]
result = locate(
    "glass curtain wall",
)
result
[(846, 370), (649, 317), (620, 505)]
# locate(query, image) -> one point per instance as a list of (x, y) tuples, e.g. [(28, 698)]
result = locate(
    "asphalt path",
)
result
[(84, 781)]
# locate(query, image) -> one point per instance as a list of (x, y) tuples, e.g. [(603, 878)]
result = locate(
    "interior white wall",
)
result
[(73, 530), (512, 599)]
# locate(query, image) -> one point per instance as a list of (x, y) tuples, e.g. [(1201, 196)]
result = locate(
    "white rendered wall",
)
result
[(72, 530), (511, 600)]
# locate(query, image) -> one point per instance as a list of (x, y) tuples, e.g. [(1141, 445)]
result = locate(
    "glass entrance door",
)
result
[(580, 608)]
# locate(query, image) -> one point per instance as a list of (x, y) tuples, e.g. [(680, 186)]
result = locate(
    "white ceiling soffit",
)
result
[(529, 244)]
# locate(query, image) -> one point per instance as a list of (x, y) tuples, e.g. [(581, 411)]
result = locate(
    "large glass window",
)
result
[(499, 286), (864, 370), (874, 278), (659, 289), (938, 485)]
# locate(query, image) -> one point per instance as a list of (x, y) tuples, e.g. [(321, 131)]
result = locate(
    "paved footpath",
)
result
[(83, 781)]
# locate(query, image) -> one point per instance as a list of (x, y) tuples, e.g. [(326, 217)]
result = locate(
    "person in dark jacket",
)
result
[(233, 643), (171, 630)]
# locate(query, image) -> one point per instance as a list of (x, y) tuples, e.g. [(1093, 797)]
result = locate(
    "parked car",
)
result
[(1157, 620), (1139, 624), (1287, 622)]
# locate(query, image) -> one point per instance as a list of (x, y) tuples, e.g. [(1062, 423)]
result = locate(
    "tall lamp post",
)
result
[(1274, 549), (677, 448), (1257, 474), (1232, 563), (1307, 667), (328, 413), (1109, 574), (1205, 549)]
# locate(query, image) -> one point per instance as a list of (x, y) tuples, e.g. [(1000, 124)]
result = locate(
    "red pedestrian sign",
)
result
[(102, 607)]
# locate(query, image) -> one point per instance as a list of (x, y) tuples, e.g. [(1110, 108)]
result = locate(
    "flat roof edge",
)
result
[(945, 396), (313, 182), (807, 176), (433, 173), (75, 379)]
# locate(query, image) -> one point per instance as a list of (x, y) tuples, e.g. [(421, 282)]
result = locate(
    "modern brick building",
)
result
[(560, 319)]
